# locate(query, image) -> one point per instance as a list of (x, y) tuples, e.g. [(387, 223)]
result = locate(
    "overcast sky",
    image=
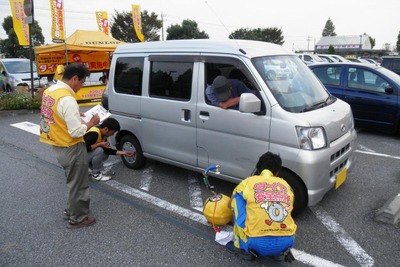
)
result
[(301, 21)]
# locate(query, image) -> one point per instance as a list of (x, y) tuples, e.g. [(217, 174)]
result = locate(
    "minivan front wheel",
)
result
[(299, 190), (130, 143)]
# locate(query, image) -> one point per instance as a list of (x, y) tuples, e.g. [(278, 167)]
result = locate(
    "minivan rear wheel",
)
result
[(299, 190), (130, 143)]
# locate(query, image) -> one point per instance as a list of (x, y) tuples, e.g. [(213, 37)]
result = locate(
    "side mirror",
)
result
[(249, 103), (389, 90)]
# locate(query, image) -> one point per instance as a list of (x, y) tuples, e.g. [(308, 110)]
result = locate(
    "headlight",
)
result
[(311, 138)]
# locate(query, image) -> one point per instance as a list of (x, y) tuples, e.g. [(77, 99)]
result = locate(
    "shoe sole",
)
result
[(76, 226)]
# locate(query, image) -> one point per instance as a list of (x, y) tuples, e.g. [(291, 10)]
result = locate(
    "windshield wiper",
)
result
[(317, 105)]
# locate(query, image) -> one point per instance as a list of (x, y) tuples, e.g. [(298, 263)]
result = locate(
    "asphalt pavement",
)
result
[(155, 223)]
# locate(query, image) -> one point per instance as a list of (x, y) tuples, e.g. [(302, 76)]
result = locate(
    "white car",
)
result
[(310, 58), (340, 58), (328, 58), (277, 70), (17, 71)]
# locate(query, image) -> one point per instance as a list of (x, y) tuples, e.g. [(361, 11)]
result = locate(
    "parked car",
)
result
[(371, 61), (327, 58), (391, 63), (340, 58), (17, 71), (310, 58), (358, 60), (277, 69), (372, 91)]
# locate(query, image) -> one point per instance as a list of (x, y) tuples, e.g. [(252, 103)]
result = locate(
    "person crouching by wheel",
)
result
[(262, 206), (99, 149)]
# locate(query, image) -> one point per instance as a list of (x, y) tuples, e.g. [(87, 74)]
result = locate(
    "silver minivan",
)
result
[(17, 71), (156, 91)]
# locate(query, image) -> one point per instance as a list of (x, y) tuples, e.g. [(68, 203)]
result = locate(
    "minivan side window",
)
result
[(129, 75), (172, 80)]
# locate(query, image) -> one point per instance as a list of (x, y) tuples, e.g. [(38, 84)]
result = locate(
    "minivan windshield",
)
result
[(292, 83), (19, 66)]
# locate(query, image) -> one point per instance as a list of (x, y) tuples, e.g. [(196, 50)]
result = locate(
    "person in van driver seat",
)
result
[(225, 93)]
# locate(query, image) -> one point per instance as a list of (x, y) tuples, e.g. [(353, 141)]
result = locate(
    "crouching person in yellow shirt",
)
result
[(99, 149), (262, 206)]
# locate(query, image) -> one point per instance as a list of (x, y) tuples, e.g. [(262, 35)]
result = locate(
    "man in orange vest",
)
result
[(62, 127)]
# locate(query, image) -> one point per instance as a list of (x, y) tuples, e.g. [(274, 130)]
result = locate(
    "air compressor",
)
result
[(216, 208)]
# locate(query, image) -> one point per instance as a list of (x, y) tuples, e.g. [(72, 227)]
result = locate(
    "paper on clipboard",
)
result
[(98, 109)]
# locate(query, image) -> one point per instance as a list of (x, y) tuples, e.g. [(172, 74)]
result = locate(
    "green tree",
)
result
[(188, 30), (122, 27), (10, 46), (331, 50), (398, 43), (272, 35), (372, 40), (329, 29)]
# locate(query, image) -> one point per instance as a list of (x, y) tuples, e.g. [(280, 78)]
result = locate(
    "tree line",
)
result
[(121, 28)]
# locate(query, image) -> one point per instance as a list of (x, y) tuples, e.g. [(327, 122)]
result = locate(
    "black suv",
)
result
[(392, 63)]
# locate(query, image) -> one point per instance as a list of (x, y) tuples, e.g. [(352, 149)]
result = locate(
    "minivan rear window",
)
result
[(171, 80), (129, 75)]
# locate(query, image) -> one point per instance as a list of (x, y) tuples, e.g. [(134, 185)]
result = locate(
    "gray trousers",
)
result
[(74, 161), (96, 159)]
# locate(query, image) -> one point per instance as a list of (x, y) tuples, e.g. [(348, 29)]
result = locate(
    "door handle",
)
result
[(204, 115), (185, 114)]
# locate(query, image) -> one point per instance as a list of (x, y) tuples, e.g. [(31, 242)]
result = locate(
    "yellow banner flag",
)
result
[(21, 29), (102, 21), (137, 22), (57, 21)]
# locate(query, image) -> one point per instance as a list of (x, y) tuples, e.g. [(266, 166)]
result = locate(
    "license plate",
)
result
[(341, 178)]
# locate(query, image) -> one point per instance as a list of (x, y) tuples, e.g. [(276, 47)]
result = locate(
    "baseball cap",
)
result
[(222, 88)]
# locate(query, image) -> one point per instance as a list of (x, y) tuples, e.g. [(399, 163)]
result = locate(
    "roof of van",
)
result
[(242, 47)]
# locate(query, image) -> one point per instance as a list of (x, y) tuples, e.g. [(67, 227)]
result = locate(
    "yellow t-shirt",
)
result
[(269, 202), (59, 73)]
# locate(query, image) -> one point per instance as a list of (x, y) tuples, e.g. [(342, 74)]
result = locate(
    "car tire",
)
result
[(299, 190), (130, 143)]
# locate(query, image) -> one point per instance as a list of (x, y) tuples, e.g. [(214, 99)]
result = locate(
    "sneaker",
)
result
[(230, 247), (88, 221), (100, 177), (248, 256), (66, 214)]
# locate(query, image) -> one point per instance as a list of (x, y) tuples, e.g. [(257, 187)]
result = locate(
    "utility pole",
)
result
[(28, 10), (162, 26), (308, 43)]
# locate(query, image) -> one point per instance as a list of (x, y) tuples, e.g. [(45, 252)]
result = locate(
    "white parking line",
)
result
[(158, 202), (343, 237), (196, 203), (28, 126), (377, 154), (302, 256), (147, 176)]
